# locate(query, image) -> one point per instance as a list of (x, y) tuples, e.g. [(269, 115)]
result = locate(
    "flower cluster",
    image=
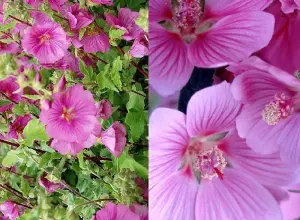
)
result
[(236, 151)]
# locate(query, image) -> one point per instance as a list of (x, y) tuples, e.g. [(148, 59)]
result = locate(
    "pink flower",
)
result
[(94, 42), (103, 2), (56, 4), (34, 3), (187, 34), (126, 22), (139, 48), (284, 42), (49, 186), (67, 147), (140, 210), (40, 18), (8, 87), (270, 114), (18, 126), (288, 6), (61, 85), (78, 18), (114, 138), (68, 62), (47, 42), (12, 48), (11, 210), (198, 160), (115, 212), (71, 116), (104, 109)]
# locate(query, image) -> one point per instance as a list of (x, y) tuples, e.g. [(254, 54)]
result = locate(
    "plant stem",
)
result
[(94, 201), (9, 143), (17, 19), (138, 93), (14, 192)]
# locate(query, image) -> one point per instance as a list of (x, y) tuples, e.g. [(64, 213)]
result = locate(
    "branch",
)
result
[(17, 19)]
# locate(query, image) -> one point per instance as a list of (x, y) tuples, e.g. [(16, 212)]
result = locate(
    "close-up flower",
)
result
[(208, 34), (199, 165)]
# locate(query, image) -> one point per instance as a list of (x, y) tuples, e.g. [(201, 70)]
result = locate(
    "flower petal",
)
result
[(220, 8), (173, 199), (160, 10), (168, 141), (235, 197), (232, 39), (212, 110), (266, 169), (169, 66)]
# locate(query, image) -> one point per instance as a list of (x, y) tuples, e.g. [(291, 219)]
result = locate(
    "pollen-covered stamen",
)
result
[(281, 108), (209, 163), (45, 38), (68, 114), (187, 14)]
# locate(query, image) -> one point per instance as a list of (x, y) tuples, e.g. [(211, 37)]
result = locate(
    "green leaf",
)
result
[(25, 187), (136, 121), (19, 109), (34, 130), (104, 81), (136, 101), (115, 72), (10, 159), (32, 97), (126, 161), (4, 102), (9, 26)]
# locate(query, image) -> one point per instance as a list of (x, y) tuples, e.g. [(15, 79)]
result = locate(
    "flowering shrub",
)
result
[(231, 150), (73, 109)]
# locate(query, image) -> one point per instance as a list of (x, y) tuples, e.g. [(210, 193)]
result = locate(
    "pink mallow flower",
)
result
[(34, 3), (95, 40), (270, 116), (56, 4), (187, 34), (18, 126), (116, 212), (78, 18), (49, 186), (104, 109), (8, 88), (71, 116), (283, 50), (74, 147), (114, 138), (288, 6), (47, 42), (126, 22), (11, 210), (140, 47), (140, 210), (102, 2), (201, 169)]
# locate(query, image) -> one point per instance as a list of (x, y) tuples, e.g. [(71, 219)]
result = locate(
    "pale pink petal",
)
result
[(220, 8), (160, 10), (254, 85), (174, 198), (278, 193), (236, 197), (169, 64), (168, 141), (232, 39), (267, 169), (212, 110)]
